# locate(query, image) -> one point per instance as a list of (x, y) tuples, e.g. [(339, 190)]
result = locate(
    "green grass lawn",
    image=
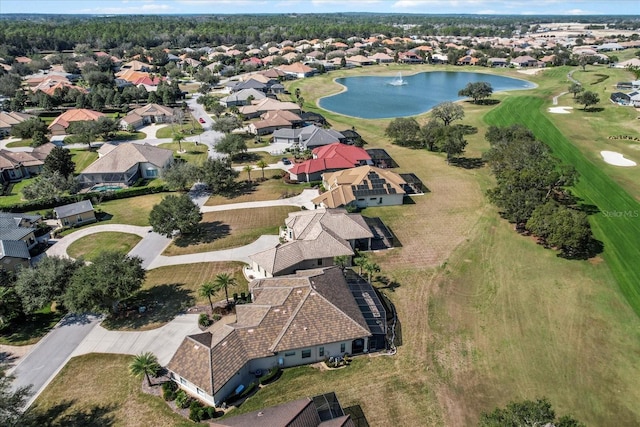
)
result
[(89, 247), (231, 229), (272, 188), (187, 129), (14, 192), (21, 143), (620, 233), (195, 154), (97, 390), (83, 158)]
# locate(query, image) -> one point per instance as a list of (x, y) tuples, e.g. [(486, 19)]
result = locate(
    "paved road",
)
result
[(303, 199), (52, 352)]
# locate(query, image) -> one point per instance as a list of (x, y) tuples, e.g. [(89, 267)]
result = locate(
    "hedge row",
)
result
[(34, 205)]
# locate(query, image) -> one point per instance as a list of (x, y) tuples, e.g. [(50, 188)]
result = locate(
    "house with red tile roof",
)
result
[(329, 158), (61, 123)]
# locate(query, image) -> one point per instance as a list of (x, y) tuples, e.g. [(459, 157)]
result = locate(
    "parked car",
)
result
[(286, 161), (201, 120)]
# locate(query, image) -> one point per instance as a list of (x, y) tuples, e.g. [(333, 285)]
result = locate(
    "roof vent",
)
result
[(195, 347), (299, 292), (250, 331), (276, 310), (305, 328)]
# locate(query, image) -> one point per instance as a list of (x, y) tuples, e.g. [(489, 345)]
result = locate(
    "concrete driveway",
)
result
[(162, 342)]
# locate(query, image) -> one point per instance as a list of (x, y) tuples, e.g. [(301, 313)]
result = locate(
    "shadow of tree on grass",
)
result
[(95, 416), (467, 162), (161, 304), (207, 232)]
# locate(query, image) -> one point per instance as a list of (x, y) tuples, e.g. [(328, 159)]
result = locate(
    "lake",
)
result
[(375, 97)]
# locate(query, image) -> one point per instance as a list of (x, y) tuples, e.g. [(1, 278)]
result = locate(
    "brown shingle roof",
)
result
[(309, 308), (124, 156)]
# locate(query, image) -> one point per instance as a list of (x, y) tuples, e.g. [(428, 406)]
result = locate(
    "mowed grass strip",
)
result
[(230, 229), (89, 247), (97, 390), (617, 225)]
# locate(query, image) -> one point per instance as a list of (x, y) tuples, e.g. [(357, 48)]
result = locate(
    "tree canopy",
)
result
[(59, 160), (404, 132), (175, 213), (101, 285), (232, 145), (448, 112), (527, 413), (219, 176), (226, 124), (587, 98), (476, 91)]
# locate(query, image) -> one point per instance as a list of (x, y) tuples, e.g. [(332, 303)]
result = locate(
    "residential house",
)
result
[(17, 237), (259, 107), (409, 57), (311, 118), (468, 60), (329, 158), (274, 120), (147, 114), (497, 62), (126, 163), (524, 61), (8, 119), (243, 97), (60, 124), (362, 186), (620, 98), (633, 62), (381, 58), (439, 58), (359, 60), (293, 320), (319, 411), (297, 70), (313, 239), (73, 214), (16, 165), (250, 84), (307, 137), (14, 255)]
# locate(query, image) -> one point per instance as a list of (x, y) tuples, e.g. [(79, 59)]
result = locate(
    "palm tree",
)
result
[(361, 260), (208, 289), (248, 169), (371, 268), (144, 364), (342, 261), (262, 164), (178, 137), (223, 280)]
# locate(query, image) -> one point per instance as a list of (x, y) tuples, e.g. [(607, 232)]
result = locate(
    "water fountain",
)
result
[(397, 80)]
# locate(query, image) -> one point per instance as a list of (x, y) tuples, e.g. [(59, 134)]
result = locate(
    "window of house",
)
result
[(183, 381), (200, 392), (343, 348), (319, 261), (290, 353), (372, 198), (321, 352), (306, 354), (152, 172)]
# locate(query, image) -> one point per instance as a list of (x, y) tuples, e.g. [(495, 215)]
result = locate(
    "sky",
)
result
[(152, 7)]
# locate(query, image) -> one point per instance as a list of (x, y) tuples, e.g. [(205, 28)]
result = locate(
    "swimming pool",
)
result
[(103, 188)]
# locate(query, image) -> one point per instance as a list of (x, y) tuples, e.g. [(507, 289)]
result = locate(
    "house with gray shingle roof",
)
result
[(313, 239), (307, 137), (125, 163), (75, 213), (14, 255), (293, 320)]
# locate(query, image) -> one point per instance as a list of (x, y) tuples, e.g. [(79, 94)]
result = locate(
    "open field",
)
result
[(273, 188), (188, 129), (97, 390), (133, 211), (90, 247), (230, 229), (169, 290), (619, 233), (487, 315)]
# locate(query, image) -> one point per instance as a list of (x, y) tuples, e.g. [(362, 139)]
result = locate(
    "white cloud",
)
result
[(578, 12), (130, 10)]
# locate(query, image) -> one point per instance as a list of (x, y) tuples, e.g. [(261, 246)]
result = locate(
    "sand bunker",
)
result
[(531, 71), (616, 159), (560, 110)]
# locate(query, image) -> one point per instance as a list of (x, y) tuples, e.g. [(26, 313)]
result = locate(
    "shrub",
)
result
[(204, 320), (196, 411), (271, 376), (169, 389), (182, 399), (211, 412), (216, 317)]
